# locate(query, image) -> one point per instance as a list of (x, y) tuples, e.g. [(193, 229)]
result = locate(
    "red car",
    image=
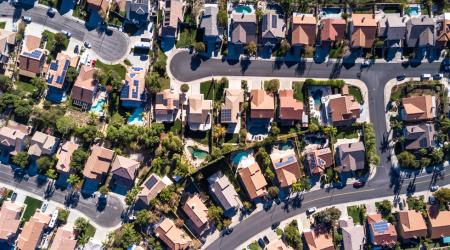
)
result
[(359, 184)]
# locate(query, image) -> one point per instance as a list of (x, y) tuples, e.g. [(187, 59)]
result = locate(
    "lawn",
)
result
[(119, 68), (336, 52), (32, 205), (298, 91), (356, 93), (254, 246), (213, 91), (187, 38), (2, 25), (25, 87), (357, 213), (51, 40)]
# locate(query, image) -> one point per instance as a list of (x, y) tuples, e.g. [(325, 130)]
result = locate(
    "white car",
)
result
[(434, 188), (67, 33), (53, 219), (26, 19), (311, 210), (425, 76), (44, 206), (87, 44)]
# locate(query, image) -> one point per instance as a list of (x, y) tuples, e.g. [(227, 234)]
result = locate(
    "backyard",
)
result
[(347, 132), (32, 205), (25, 87)]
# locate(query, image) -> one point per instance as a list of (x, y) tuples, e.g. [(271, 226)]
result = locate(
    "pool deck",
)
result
[(191, 143)]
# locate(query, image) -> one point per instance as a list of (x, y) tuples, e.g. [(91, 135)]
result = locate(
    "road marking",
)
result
[(354, 192)]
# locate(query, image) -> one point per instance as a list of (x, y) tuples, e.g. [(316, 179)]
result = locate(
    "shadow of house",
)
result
[(124, 172)]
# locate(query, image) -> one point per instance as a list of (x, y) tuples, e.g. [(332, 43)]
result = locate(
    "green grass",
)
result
[(32, 205), (187, 38), (2, 25), (25, 87), (119, 68), (254, 246), (206, 88), (176, 127), (213, 92), (347, 133), (279, 232), (298, 91), (357, 214), (356, 93), (51, 40), (90, 231)]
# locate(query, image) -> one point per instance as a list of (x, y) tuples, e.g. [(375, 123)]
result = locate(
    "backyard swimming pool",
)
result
[(286, 145), (98, 107), (243, 9), (413, 10), (239, 157), (136, 116), (317, 96), (331, 11), (197, 153)]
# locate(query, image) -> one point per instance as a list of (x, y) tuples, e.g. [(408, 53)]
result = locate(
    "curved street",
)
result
[(109, 46), (387, 182)]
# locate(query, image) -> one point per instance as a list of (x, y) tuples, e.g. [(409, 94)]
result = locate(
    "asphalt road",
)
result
[(110, 216), (109, 46), (386, 182)]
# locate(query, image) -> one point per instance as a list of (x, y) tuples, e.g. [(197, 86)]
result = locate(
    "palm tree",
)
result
[(218, 133), (74, 180)]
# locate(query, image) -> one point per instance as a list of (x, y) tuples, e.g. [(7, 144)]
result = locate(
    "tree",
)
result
[(103, 190), (218, 132), (51, 173), (63, 214), (215, 213), (60, 42), (273, 192), (442, 195), (73, 180), (126, 236), (79, 157), (251, 48), (172, 144), (184, 88), (301, 185), (437, 156), (153, 83), (407, 160), (71, 75), (131, 195), (6, 83), (45, 163), (292, 235), (327, 217), (65, 125), (272, 86), (222, 18), (88, 133), (144, 217), (199, 47), (263, 158), (20, 159), (384, 207)]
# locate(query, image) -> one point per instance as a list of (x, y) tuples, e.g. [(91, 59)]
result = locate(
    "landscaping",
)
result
[(2, 25), (357, 213), (32, 205), (298, 91), (213, 89), (118, 68), (356, 93)]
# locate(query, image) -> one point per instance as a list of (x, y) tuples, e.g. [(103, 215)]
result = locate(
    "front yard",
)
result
[(32, 205), (358, 213)]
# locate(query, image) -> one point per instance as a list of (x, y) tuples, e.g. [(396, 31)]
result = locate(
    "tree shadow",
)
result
[(245, 63), (71, 199), (196, 61)]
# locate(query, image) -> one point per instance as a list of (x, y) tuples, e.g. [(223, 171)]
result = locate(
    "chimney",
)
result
[(362, 20), (303, 17)]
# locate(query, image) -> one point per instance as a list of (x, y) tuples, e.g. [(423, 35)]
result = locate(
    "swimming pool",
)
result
[(258, 130), (243, 9), (237, 158), (98, 107), (286, 145), (413, 10), (317, 96), (331, 11), (197, 153), (136, 116)]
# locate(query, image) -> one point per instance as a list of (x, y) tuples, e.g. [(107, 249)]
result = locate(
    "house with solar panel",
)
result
[(32, 58), (56, 76), (133, 93), (286, 166), (381, 232)]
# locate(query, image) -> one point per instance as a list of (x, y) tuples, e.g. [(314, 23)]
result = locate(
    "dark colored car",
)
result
[(50, 12), (261, 243), (359, 184), (401, 77), (275, 225), (266, 240)]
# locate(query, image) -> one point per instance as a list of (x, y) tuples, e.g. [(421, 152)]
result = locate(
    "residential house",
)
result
[(32, 231), (138, 11), (418, 108), (224, 193), (96, 168), (291, 110), (442, 31), (7, 42), (318, 241), (363, 29), (85, 88), (9, 221), (286, 167), (273, 29), (124, 171), (353, 236), (342, 110), (253, 180), (318, 160), (32, 58), (411, 225), (438, 223), (419, 136), (197, 212), (64, 239), (262, 104), (172, 17), (199, 113), (332, 31), (151, 188), (56, 76), (172, 236), (13, 137), (166, 106), (392, 27), (100, 6), (42, 144), (303, 30), (209, 24), (64, 156), (420, 32), (243, 29), (230, 111), (133, 93), (381, 232), (351, 156)]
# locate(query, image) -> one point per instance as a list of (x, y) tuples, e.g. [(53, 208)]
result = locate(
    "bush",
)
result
[(272, 86), (370, 144), (331, 83), (292, 235)]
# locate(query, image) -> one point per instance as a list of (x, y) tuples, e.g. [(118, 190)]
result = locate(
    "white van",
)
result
[(425, 76)]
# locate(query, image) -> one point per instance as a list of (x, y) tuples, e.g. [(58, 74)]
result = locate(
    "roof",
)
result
[(352, 156), (419, 136), (83, 89), (99, 5), (343, 108), (272, 26), (316, 241), (418, 108), (229, 112), (209, 20), (98, 162), (332, 29), (64, 239), (138, 7), (290, 108), (224, 191), (319, 159), (199, 109), (353, 235), (9, 220), (133, 88), (31, 58), (31, 43), (173, 13), (196, 210), (304, 29), (244, 28), (172, 236), (42, 144), (364, 30), (166, 101), (13, 137), (439, 222), (6, 38), (57, 70), (286, 167), (253, 180), (442, 29), (383, 232), (261, 104), (32, 231), (125, 167), (64, 156), (411, 221), (393, 27), (420, 31), (151, 188)]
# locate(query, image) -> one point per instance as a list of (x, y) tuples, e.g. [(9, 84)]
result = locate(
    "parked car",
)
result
[(87, 44), (50, 12), (366, 63), (434, 188), (76, 49), (53, 219), (261, 243), (401, 77), (44, 206), (228, 231), (425, 77), (311, 210), (67, 33), (438, 76), (432, 200), (13, 196), (359, 184), (275, 225), (26, 19), (266, 240)]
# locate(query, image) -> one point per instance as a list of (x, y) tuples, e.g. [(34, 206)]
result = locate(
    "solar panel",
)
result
[(60, 79), (50, 79), (290, 160), (36, 54), (137, 69), (66, 65), (274, 21), (134, 93), (380, 227), (226, 115), (132, 75), (125, 90), (54, 66)]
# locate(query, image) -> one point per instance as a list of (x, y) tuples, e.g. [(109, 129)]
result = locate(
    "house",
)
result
[(318, 241), (273, 29), (209, 24), (318, 160), (438, 223), (151, 188), (13, 137), (351, 156), (85, 88), (262, 104), (7, 42), (197, 212), (230, 111), (166, 106), (138, 11), (172, 236), (286, 167), (243, 29), (42, 144), (64, 239), (32, 232), (420, 32), (100, 6), (291, 110), (419, 136), (56, 76), (96, 167), (253, 180), (381, 232), (9, 221), (418, 108), (342, 110), (172, 17), (363, 29), (353, 236), (64, 156), (442, 31), (133, 93), (123, 171), (32, 58), (392, 27), (303, 30), (411, 225), (332, 31), (199, 113), (224, 193)]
